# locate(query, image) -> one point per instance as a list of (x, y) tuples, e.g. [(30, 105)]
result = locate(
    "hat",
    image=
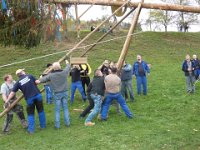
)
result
[(19, 71), (106, 62)]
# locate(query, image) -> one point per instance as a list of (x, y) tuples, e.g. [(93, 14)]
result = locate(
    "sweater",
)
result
[(58, 79), (112, 83)]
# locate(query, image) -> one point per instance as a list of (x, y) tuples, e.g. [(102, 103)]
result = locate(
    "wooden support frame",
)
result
[(63, 58)]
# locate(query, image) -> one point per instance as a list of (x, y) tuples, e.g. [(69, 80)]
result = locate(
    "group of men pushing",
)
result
[(108, 84)]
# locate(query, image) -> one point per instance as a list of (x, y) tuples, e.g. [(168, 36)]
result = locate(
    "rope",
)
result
[(81, 47)]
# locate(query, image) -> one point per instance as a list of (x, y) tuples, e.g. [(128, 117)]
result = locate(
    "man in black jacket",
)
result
[(96, 89)]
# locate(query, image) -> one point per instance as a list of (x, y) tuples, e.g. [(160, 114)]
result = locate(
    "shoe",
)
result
[(24, 124), (89, 124), (30, 133)]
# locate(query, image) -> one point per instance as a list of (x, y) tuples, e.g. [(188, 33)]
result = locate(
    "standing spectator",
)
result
[(97, 89), (85, 72), (76, 83), (105, 68), (58, 80), (113, 84), (126, 77), (6, 88), (196, 67), (33, 97), (140, 68), (47, 87), (188, 68)]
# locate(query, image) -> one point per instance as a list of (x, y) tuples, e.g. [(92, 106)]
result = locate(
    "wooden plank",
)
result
[(78, 60)]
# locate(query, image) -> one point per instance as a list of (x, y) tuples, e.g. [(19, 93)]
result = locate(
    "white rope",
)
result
[(39, 57)]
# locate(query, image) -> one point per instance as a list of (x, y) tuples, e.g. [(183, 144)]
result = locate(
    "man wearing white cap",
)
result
[(33, 97)]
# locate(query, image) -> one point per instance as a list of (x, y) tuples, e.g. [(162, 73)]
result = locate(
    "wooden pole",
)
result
[(105, 34), (129, 37), (85, 11), (63, 58), (77, 21), (162, 6)]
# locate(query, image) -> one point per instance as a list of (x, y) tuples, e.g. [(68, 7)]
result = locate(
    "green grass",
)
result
[(167, 118)]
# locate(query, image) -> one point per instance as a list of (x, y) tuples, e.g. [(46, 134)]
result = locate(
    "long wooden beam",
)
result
[(126, 46), (161, 6)]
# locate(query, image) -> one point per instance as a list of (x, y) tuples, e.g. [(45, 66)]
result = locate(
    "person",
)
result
[(188, 69), (113, 84), (96, 90), (6, 88), (196, 67), (126, 78), (76, 83), (105, 67), (140, 69), (33, 97), (57, 78), (47, 87), (85, 72)]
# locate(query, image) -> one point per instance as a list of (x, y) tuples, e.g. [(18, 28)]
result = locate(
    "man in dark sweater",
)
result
[(96, 89), (76, 83), (126, 78)]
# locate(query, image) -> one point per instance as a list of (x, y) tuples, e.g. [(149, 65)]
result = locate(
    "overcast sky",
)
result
[(97, 12)]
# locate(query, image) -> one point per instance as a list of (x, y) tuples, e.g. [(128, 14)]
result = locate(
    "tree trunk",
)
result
[(172, 7)]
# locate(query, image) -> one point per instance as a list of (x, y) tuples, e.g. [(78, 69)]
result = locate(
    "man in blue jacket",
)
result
[(140, 68), (188, 68)]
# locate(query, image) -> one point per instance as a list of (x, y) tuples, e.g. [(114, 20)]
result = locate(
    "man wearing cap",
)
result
[(6, 88), (58, 81), (140, 69), (33, 97)]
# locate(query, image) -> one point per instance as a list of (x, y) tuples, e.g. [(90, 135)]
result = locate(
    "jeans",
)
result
[(141, 81), (90, 107), (74, 86), (197, 73), (108, 100), (35, 101), (97, 107), (49, 94), (190, 80), (127, 85), (61, 100)]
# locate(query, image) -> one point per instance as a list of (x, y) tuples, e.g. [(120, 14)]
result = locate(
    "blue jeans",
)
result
[(108, 100), (127, 85), (74, 86), (49, 94), (141, 81), (97, 107), (197, 73), (35, 101), (61, 100)]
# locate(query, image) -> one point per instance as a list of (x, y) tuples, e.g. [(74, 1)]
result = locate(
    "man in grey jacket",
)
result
[(58, 82)]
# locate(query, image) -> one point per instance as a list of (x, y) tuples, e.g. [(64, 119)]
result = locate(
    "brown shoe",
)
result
[(89, 124)]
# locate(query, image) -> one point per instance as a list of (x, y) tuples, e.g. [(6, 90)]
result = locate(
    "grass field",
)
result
[(167, 118)]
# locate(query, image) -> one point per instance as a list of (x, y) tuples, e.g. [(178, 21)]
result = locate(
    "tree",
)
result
[(184, 20), (160, 17)]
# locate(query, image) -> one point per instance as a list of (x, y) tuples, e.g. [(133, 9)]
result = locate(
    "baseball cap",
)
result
[(19, 71)]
